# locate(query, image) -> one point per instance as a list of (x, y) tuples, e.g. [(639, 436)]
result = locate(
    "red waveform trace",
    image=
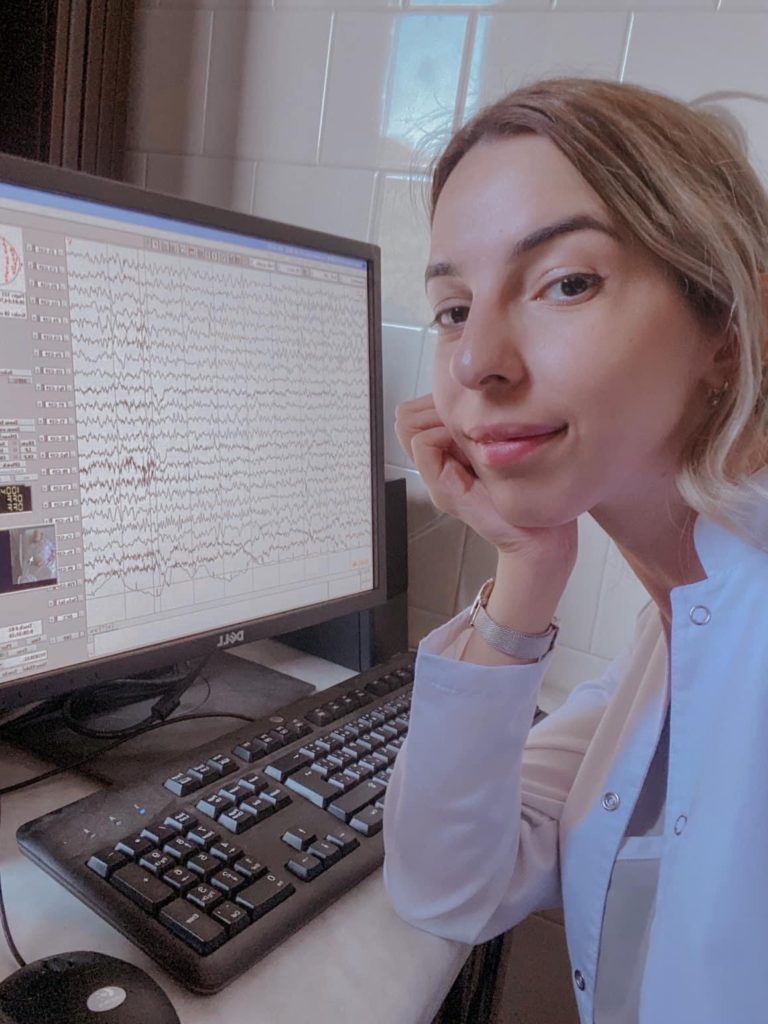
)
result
[(10, 262)]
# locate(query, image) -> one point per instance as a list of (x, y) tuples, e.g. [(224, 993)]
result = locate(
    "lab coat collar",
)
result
[(719, 549)]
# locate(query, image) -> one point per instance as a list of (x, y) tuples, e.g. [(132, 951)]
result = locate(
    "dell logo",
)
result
[(231, 638)]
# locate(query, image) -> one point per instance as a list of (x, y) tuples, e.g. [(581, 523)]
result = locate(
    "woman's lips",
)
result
[(507, 451)]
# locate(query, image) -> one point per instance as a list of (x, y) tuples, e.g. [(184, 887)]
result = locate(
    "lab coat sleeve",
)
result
[(472, 810)]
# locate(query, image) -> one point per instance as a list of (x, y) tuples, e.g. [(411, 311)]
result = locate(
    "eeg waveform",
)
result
[(223, 417)]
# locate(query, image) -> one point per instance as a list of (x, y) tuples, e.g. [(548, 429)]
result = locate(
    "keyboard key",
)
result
[(213, 804), (258, 808), (249, 750), (228, 853), (204, 896), (157, 862), (285, 766), (268, 743), (134, 846), (378, 687), (312, 787), (203, 864), (324, 767), (281, 734), (159, 834), (143, 888), (305, 866), (180, 879), (342, 782), (234, 918), (347, 805), (237, 820), (236, 790), (313, 751), (198, 930), (204, 773), (328, 743), (299, 838), (297, 728), (277, 797), (254, 782), (368, 821), (358, 773), (106, 861), (343, 757), (327, 852), (265, 895), (320, 716), (345, 839), (222, 764), (180, 848), (361, 697), (228, 882), (202, 836), (181, 784), (250, 869), (182, 821)]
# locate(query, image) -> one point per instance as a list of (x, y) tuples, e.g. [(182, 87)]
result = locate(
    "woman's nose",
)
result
[(487, 353)]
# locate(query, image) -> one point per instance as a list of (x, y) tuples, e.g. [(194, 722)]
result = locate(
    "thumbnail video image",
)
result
[(27, 558)]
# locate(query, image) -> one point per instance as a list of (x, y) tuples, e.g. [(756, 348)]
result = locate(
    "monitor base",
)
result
[(229, 685)]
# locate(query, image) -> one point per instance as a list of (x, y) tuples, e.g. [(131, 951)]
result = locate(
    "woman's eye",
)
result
[(573, 286), (452, 316)]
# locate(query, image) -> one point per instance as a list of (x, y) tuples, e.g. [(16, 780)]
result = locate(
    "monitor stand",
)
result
[(228, 685)]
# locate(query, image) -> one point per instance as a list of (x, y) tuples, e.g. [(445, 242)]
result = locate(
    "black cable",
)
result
[(7, 932), (107, 697), (111, 746)]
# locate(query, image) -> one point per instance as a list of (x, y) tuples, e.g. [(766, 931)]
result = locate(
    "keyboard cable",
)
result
[(6, 928)]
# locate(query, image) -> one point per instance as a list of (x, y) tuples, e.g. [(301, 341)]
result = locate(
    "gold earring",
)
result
[(716, 395)]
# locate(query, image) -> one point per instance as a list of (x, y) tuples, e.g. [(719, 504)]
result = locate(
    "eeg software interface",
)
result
[(185, 435)]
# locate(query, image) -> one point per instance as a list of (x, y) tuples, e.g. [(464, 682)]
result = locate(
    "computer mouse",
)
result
[(83, 988)]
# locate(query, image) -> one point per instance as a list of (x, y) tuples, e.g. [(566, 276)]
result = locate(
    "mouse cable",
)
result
[(7, 931), (111, 746)]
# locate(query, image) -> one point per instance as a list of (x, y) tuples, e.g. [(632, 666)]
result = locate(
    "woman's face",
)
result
[(550, 321)]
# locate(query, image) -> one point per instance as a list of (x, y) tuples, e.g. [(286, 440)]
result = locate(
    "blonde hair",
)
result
[(677, 179)]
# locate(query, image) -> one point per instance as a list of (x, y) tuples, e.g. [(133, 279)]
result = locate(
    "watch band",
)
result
[(527, 646)]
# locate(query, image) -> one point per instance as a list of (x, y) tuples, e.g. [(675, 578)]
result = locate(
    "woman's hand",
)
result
[(455, 488)]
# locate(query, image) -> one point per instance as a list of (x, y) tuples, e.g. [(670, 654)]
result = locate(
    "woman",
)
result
[(597, 278)]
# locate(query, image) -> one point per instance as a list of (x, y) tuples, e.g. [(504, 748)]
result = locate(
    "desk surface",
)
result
[(357, 961)]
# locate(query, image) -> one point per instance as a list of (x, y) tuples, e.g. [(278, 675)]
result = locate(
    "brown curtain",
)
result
[(63, 81)]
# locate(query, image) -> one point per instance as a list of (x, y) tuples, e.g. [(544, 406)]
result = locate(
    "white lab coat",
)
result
[(485, 823)]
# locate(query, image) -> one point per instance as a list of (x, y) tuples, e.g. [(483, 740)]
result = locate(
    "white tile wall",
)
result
[(266, 84), (315, 112), (401, 229), (171, 50), (206, 179), (513, 48), (392, 87), (334, 199)]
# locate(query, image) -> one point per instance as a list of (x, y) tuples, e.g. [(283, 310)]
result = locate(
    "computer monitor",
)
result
[(191, 451)]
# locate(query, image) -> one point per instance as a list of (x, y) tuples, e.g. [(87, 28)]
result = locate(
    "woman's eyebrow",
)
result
[(537, 237)]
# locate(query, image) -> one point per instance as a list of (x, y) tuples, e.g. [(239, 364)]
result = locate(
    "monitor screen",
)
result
[(190, 429)]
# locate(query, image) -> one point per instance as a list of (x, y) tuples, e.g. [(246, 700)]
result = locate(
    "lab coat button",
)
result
[(578, 977), (699, 615), (610, 801), (680, 824)]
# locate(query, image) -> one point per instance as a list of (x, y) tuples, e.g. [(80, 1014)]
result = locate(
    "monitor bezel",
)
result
[(16, 693)]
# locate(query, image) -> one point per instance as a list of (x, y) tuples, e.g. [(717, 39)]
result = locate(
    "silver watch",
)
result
[(527, 646)]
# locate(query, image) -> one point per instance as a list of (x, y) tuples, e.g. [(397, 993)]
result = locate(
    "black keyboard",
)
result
[(209, 864)]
